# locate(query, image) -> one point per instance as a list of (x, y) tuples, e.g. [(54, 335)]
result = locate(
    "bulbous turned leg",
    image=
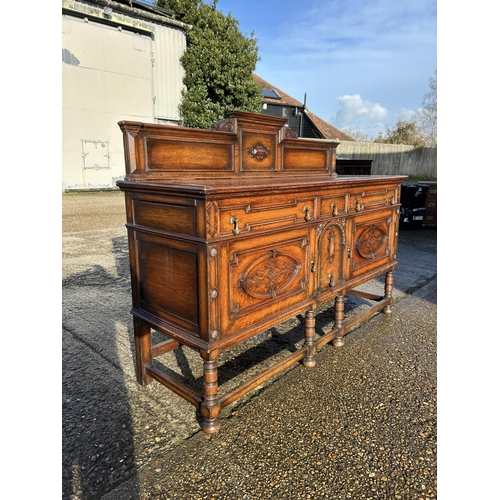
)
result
[(310, 330), (210, 407), (338, 340), (389, 283)]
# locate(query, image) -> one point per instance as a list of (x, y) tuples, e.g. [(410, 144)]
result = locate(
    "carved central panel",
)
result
[(371, 242), (258, 151), (270, 275)]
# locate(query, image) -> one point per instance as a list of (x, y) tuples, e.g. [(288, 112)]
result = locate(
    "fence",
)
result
[(392, 159)]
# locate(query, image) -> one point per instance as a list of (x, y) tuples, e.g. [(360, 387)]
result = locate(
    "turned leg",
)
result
[(142, 339), (210, 408), (389, 282), (310, 330), (338, 340)]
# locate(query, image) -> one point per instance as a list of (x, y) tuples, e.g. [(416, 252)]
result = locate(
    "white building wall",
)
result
[(111, 74)]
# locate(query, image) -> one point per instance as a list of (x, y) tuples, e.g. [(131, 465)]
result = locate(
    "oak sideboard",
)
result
[(238, 228)]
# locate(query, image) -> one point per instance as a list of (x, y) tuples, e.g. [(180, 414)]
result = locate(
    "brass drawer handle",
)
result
[(313, 266), (233, 220), (357, 205), (307, 211), (392, 200), (331, 283), (335, 212)]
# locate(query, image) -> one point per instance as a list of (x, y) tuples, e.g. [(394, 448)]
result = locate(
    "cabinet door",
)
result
[(372, 241), (266, 276), (331, 255)]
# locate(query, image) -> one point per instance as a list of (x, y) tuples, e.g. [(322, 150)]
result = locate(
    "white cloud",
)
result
[(358, 114), (353, 109)]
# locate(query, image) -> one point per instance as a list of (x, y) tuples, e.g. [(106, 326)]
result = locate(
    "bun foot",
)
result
[(211, 426), (338, 341), (308, 361)]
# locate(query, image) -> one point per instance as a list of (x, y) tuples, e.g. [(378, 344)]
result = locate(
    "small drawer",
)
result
[(333, 205), (260, 213), (432, 192), (430, 219), (163, 216), (366, 200)]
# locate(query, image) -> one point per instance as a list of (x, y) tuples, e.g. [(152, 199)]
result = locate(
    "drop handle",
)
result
[(313, 266), (335, 212), (307, 211), (357, 205), (331, 283), (233, 220), (392, 200)]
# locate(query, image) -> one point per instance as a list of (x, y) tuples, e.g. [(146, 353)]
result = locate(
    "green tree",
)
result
[(218, 63)]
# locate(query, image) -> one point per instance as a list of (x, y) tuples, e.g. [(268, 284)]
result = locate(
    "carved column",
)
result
[(210, 408), (310, 330)]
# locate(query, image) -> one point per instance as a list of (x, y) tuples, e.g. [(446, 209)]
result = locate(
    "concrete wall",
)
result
[(390, 159)]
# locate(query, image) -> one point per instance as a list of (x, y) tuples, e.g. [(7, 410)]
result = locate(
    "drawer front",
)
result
[(265, 276), (164, 216), (372, 199), (333, 205), (372, 241), (431, 204), (262, 213), (432, 191), (430, 219)]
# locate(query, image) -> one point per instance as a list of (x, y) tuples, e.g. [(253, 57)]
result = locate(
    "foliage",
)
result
[(404, 133), (356, 134), (420, 131), (218, 64), (426, 117)]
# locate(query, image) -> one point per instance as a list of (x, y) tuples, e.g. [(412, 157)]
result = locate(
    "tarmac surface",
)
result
[(361, 424)]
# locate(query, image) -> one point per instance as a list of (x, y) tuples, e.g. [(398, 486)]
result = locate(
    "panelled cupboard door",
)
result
[(266, 275), (371, 235), (332, 254)]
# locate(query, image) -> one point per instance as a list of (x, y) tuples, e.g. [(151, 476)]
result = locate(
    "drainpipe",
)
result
[(302, 115)]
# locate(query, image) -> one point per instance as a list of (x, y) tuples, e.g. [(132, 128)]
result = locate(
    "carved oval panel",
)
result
[(269, 275), (372, 242)]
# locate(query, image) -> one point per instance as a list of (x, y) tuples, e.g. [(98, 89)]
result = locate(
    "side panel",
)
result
[(168, 285)]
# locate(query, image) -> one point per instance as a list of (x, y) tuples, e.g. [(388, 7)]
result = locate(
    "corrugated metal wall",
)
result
[(169, 46)]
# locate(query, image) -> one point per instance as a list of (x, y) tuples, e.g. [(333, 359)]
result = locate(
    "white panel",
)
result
[(108, 49), (107, 77)]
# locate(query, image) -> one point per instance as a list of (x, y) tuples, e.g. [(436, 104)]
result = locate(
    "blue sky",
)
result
[(364, 64)]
